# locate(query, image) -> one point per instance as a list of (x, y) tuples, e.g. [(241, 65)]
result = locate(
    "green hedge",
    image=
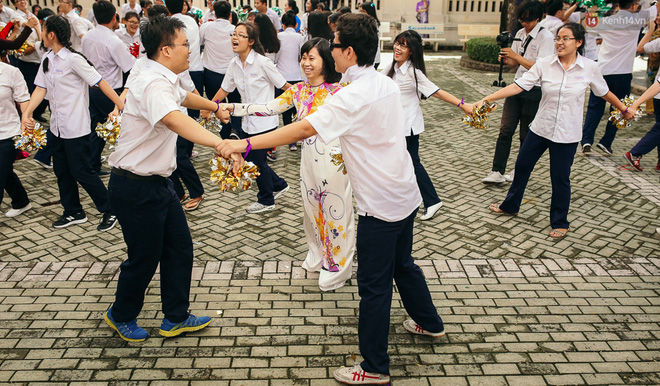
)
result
[(482, 49)]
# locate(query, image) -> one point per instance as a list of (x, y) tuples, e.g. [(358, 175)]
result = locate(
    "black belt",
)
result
[(133, 176)]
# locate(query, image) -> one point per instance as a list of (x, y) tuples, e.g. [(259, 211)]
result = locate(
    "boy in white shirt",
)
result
[(288, 63)]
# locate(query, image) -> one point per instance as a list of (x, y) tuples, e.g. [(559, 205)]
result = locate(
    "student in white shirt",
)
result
[(66, 76), (533, 44), (290, 5), (555, 17), (369, 8), (288, 61), (153, 224), (78, 26), (310, 6), (255, 76), (564, 78), (368, 118), (131, 6), (209, 15), (12, 90), (616, 55), (409, 72), (215, 36), (131, 34), (268, 37), (262, 7), (111, 58)]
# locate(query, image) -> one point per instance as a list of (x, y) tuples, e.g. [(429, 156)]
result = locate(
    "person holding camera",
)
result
[(530, 44)]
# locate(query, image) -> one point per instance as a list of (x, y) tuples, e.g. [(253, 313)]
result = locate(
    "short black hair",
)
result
[(222, 9), (554, 6), (578, 33), (289, 19), (175, 6), (104, 11), (131, 14), (157, 9), (344, 10), (626, 4), (359, 31), (323, 46), (530, 11), (35, 6), (44, 13), (159, 31)]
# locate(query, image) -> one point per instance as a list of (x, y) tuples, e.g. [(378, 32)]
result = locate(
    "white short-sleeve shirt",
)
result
[(272, 15), (590, 43), (215, 36), (67, 84), (192, 33), (78, 28), (552, 24), (129, 40), (32, 39), (288, 61), (650, 47), (561, 109), (209, 16), (541, 45), (147, 147), (411, 91), (12, 89), (125, 8), (108, 53), (255, 83), (368, 119)]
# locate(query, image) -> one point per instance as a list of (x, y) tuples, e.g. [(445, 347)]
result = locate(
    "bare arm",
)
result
[(282, 136), (646, 38), (111, 94), (510, 90), (449, 98), (648, 95), (186, 127), (38, 96)]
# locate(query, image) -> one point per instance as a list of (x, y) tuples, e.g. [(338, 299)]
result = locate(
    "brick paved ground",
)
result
[(520, 308)]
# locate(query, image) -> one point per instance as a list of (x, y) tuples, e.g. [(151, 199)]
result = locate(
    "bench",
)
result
[(433, 30), (384, 28), (477, 30)]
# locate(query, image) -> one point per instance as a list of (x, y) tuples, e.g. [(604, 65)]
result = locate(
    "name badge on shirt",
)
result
[(254, 75), (579, 77), (58, 71)]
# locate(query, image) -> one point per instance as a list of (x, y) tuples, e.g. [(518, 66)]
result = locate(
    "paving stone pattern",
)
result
[(520, 309)]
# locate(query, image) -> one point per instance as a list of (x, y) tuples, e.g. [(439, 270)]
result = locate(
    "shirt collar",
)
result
[(62, 53), (155, 66), (403, 68), (250, 57), (72, 13), (290, 29), (221, 20), (535, 31), (104, 28), (356, 72), (578, 62)]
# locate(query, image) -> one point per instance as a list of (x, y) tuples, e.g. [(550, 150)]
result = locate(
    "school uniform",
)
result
[(111, 59), (556, 127), (67, 83), (616, 55), (255, 83), (141, 194), (29, 64), (272, 15), (368, 118), (209, 15), (125, 8), (12, 89), (552, 24), (79, 27), (218, 52), (651, 139), (131, 41), (288, 64), (195, 68)]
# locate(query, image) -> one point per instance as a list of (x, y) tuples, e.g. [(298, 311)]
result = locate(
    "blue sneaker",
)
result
[(193, 323), (129, 331)]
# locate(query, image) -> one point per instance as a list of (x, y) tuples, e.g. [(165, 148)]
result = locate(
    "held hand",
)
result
[(27, 124), (467, 108), (238, 163), (479, 103), (16, 25), (32, 22), (205, 114), (223, 116), (228, 147), (114, 113), (630, 113)]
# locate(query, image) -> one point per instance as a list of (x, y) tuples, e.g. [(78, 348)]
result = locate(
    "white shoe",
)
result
[(280, 193), (431, 211), (16, 212), (494, 178), (356, 376), (509, 177), (258, 208), (104, 158), (42, 164), (413, 327)]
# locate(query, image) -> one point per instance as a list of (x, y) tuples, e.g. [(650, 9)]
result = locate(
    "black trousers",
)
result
[(71, 167), (99, 108), (156, 232), (268, 181), (429, 195), (8, 179), (185, 171), (198, 80), (29, 71), (212, 82)]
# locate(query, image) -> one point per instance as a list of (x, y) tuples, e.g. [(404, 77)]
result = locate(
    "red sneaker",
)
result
[(657, 167), (636, 163)]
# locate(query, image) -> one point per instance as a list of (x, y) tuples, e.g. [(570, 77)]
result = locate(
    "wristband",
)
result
[(217, 103), (625, 111), (248, 148), (462, 102)]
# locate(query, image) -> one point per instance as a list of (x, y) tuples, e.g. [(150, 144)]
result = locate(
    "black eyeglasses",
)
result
[(336, 45)]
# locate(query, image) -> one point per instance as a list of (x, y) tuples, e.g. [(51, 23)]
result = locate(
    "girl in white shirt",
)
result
[(12, 89), (409, 72), (557, 125), (255, 76), (66, 76)]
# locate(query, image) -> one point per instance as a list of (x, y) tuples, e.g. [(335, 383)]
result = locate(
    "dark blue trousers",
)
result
[(45, 154), (29, 71), (99, 108), (384, 253), (185, 171), (8, 179), (156, 232), (268, 181), (651, 139), (71, 167), (212, 82), (561, 160), (198, 80), (518, 108), (429, 195), (619, 85)]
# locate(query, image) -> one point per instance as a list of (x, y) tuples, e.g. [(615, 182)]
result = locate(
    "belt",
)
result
[(137, 177)]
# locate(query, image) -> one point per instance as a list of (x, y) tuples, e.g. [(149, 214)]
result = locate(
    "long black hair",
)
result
[(59, 25), (578, 34), (413, 41), (293, 6), (253, 34), (370, 8), (267, 34), (317, 25), (323, 47)]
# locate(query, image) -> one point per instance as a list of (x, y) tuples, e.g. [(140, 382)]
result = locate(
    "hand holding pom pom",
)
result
[(110, 130), (230, 180), (622, 119), (31, 139), (479, 117)]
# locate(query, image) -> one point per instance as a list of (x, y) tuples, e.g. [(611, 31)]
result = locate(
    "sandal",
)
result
[(558, 233), (183, 199), (193, 203), (495, 208)]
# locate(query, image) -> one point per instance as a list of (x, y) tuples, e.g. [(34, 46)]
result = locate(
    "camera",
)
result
[(504, 39)]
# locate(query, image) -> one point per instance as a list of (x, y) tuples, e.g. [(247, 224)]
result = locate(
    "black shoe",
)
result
[(102, 172), (65, 220), (107, 222), (604, 149)]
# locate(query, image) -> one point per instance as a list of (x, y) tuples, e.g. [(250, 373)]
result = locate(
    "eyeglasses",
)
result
[(235, 35), (564, 39), (402, 46), (187, 45), (334, 45), (133, 22)]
